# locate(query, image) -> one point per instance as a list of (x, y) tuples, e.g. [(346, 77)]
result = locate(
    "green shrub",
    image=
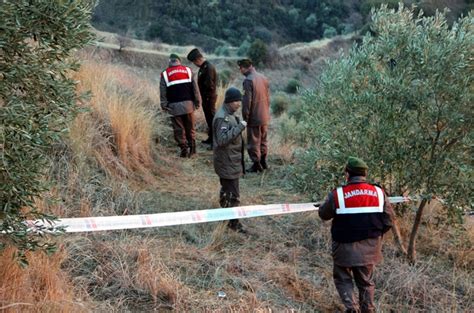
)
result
[(329, 31), (258, 52), (154, 31), (293, 86), (403, 101), (224, 77), (280, 103), (222, 50), (244, 48), (37, 101)]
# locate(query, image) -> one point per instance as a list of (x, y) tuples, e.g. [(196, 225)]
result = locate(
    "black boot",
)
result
[(184, 152), (263, 162), (255, 168), (235, 225), (192, 149), (229, 200)]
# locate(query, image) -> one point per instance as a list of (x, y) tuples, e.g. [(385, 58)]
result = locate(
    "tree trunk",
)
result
[(414, 231), (397, 236)]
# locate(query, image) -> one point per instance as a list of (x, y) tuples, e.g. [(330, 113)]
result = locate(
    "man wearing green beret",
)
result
[(361, 214), (179, 96), (256, 112)]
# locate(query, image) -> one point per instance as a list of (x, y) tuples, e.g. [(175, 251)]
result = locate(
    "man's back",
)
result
[(256, 101), (207, 81)]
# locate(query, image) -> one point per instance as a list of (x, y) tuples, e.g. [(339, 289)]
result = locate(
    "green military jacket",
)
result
[(227, 131)]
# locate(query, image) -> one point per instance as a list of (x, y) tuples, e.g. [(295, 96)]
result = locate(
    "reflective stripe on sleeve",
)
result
[(340, 199), (165, 76)]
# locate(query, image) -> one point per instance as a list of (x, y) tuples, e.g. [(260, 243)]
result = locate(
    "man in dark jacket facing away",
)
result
[(256, 111), (228, 151), (361, 214), (207, 81), (179, 96)]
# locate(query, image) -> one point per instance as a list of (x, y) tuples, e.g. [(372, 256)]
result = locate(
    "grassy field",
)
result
[(120, 159)]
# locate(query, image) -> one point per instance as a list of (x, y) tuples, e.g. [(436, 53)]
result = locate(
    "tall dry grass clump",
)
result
[(120, 126), (41, 287), (127, 272)]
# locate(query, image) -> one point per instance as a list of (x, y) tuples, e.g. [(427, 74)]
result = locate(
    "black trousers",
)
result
[(209, 108), (229, 194)]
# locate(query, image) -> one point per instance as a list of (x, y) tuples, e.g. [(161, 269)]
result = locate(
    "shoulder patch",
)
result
[(226, 118)]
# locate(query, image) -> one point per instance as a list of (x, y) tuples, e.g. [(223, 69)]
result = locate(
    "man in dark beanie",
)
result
[(361, 214), (256, 111), (228, 152), (207, 81), (179, 96)]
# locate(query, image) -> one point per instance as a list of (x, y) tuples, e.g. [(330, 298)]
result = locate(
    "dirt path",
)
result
[(197, 186)]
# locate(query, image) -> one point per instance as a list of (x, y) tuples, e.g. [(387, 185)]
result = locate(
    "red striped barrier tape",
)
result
[(102, 223)]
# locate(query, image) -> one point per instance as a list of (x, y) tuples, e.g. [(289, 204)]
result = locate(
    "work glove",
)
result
[(243, 123)]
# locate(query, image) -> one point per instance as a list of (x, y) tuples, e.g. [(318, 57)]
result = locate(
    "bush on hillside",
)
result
[(37, 101), (244, 48), (224, 77), (124, 42), (329, 31), (222, 50), (258, 53), (403, 101), (280, 103), (293, 86)]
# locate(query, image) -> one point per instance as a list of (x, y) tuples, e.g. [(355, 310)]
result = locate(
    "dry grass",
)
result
[(119, 130), (41, 287), (125, 273)]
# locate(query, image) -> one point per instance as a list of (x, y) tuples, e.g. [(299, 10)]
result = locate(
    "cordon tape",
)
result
[(102, 223)]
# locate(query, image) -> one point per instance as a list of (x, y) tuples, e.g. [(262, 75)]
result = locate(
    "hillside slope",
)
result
[(120, 159), (213, 24)]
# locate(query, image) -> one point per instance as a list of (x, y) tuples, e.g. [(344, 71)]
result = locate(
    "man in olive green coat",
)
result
[(228, 151)]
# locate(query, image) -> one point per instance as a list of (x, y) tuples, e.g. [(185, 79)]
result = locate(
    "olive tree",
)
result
[(402, 100), (37, 101)]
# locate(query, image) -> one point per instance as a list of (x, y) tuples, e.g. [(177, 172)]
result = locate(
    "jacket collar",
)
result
[(357, 179), (250, 71), (204, 64), (227, 109)]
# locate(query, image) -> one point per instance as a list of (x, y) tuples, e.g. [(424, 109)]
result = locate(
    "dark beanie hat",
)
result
[(232, 94), (194, 54), (356, 166), (174, 56), (246, 63)]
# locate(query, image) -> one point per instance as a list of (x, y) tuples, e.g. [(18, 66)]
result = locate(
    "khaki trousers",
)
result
[(183, 129), (257, 144), (364, 280)]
